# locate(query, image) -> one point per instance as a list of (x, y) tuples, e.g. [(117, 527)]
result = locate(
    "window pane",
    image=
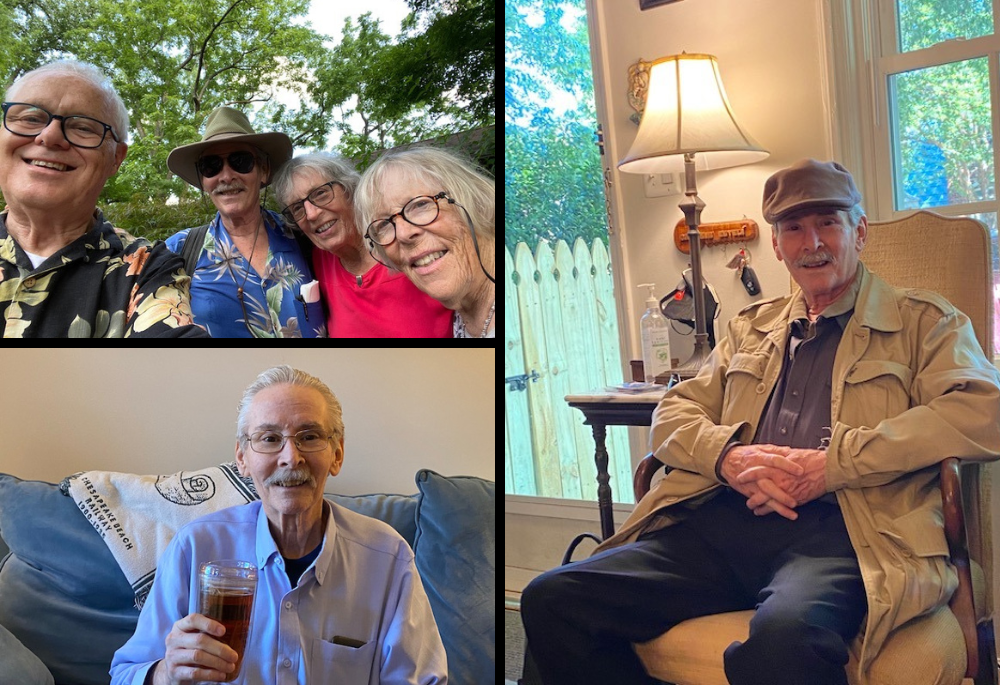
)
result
[(942, 140), (561, 309), (923, 23)]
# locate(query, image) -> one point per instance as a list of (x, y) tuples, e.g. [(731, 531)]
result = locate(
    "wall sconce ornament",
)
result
[(638, 86)]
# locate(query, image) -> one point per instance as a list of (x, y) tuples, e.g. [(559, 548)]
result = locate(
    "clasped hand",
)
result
[(774, 478)]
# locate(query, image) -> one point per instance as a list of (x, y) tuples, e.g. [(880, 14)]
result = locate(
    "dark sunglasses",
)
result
[(242, 162)]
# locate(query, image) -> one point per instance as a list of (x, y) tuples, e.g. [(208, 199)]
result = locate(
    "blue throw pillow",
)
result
[(64, 596), (399, 511), (455, 550)]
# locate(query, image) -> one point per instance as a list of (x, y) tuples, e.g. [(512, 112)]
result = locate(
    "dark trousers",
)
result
[(802, 577)]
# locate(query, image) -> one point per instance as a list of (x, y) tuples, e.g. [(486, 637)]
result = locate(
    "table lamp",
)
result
[(688, 124)]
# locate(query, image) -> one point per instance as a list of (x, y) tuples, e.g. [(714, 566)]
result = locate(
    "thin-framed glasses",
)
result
[(320, 196), (241, 161), (270, 442), (420, 211), (24, 119)]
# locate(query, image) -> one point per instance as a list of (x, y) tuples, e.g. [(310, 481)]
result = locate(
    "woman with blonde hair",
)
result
[(431, 214)]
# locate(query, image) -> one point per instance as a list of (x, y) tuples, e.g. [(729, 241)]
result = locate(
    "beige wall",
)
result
[(771, 57), (160, 411)]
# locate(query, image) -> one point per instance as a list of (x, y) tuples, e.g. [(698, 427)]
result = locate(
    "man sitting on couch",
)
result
[(338, 596)]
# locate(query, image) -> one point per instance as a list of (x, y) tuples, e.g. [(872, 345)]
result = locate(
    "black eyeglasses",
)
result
[(420, 211), (320, 196), (23, 119), (241, 161)]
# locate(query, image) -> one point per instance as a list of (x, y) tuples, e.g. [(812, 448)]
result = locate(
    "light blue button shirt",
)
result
[(363, 586)]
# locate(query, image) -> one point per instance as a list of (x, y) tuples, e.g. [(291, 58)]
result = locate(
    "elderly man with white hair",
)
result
[(338, 596), (64, 270)]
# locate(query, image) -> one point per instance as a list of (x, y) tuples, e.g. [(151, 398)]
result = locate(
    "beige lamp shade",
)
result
[(687, 111)]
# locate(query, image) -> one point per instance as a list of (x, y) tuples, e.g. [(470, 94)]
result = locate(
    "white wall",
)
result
[(771, 57), (161, 411)]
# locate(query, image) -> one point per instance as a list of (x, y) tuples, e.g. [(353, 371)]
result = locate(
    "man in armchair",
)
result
[(803, 476)]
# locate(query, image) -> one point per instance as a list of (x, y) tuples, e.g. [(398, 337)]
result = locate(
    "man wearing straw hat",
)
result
[(246, 267)]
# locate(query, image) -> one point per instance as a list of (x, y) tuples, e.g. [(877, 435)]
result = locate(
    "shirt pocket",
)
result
[(744, 385), (331, 664), (314, 318), (878, 389)]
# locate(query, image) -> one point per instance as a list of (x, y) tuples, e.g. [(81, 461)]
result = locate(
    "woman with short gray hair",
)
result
[(364, 298)]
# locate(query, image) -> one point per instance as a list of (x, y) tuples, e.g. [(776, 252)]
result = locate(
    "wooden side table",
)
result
[(600, 410)]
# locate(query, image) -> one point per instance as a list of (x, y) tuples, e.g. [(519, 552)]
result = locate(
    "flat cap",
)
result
[(808, 184)]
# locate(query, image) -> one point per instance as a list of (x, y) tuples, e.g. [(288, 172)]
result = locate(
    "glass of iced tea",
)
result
[(226, 592)]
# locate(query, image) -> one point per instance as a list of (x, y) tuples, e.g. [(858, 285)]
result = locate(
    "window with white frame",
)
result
[(918, 105)]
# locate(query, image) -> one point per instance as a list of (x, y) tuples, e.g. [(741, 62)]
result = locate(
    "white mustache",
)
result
[(813, 259), (291, 477), (226, 187)]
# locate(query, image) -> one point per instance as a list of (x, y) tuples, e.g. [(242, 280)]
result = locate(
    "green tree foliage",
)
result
[(947, 107), (448, 47), (350, 82), (173, 61), (552, 182)]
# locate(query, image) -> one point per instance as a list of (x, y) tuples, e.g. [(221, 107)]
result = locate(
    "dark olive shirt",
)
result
[(798, 413)]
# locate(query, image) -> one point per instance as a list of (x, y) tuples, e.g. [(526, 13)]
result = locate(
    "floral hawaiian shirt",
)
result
[(272, 306), (105, 284)]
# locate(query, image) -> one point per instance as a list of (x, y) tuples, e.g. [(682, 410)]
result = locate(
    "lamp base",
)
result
[(691, 367)]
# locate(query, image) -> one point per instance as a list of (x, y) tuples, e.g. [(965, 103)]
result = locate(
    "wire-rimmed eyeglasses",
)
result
[(270, 442), (420, 211), (24, 119)]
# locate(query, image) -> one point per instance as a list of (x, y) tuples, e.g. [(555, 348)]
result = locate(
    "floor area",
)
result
[(513, 643)]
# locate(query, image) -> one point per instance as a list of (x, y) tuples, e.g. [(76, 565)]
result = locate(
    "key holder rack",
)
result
[(742, 231)]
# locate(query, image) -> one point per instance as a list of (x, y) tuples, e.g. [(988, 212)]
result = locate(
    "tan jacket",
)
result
[(911, 386)]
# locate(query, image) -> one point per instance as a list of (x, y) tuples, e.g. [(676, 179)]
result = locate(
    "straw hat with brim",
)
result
[(228, 125)]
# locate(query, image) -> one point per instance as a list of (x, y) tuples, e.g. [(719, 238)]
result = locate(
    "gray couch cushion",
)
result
[(18, 664)]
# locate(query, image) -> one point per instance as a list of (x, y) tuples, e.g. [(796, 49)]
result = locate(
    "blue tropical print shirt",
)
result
[(272, 305)]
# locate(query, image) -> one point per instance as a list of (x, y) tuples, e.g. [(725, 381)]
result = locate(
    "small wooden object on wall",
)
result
[(742, 231)]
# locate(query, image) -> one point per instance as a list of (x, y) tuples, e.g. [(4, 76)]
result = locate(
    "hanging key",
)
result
[(737, 262), (747, 276)]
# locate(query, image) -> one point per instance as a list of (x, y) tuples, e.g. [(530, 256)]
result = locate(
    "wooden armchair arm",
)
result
[(954, 529), (643, 476)]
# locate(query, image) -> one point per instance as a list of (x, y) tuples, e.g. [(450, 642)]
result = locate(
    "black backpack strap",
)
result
[(192, 248)]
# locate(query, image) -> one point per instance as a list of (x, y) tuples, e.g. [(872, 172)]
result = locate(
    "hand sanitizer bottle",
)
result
[(656, 359)]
